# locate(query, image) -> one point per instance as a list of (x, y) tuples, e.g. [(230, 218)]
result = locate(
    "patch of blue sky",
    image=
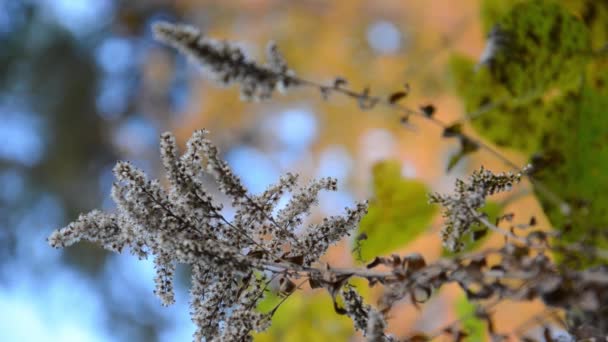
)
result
[(180, 86), (131, 283), (12, 14), (181, 331), (147, 166), (335, 202), (228, 212), (44, 214), (61, 306), (12, 185), (21, 136), (336, 162), (179, 97), (136, 136), (283, 201), (254, 167), (293, 160), (126, 276), (104, 182), (182, 327), (378, 144), (113, 96), (80, 17), (296, 128), (115, 55)]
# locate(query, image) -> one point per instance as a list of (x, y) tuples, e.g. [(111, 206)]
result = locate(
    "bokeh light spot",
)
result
[(296, 128), (384, 37), (115, 55), (20, 137), (254, 167)]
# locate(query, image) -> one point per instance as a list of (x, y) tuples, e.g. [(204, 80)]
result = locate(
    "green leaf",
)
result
[(398, 212), (542, 55), (541, 45), (269, 302), (305, 316), (492, 11), (493, 111), (475, 327), (577, 169)]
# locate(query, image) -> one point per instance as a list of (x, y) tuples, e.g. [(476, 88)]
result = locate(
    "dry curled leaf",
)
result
[(427, 110), (396, 96)]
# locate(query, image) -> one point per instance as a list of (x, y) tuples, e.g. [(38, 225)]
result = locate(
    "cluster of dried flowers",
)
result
[(231, 260), (234, 261), (460, 209)]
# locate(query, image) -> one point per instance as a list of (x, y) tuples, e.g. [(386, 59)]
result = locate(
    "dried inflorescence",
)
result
[(519, 272), (460, 208), (228, 63), (366, 319), (231, 260)]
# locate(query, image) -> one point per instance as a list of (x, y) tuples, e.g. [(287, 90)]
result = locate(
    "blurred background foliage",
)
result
[(548, 84), (83, 84)]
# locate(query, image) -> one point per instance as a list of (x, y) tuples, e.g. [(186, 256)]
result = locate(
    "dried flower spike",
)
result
[(460, 208), (227, 63)]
